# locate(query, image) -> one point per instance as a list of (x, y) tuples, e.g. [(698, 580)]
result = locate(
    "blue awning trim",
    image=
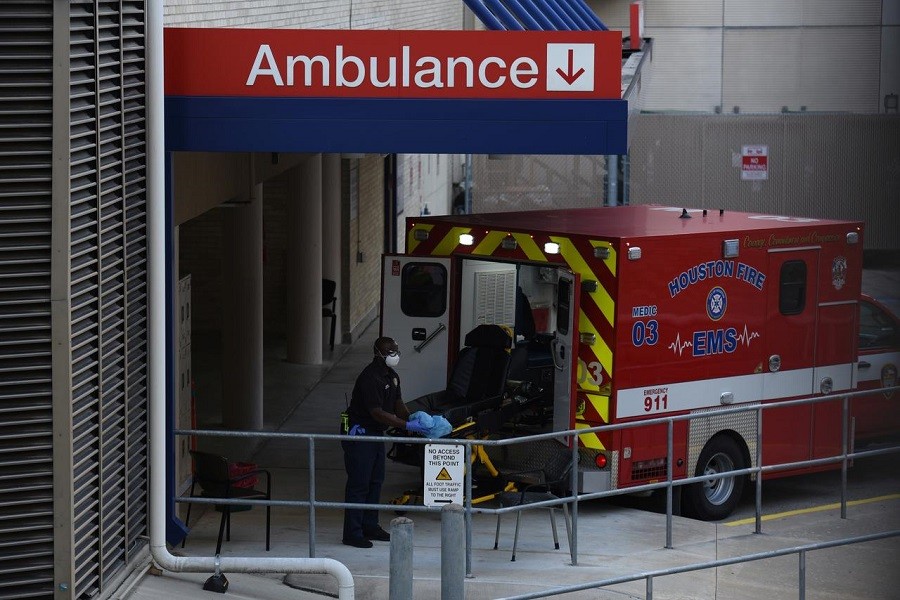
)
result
[(536, 15), (509, 20)]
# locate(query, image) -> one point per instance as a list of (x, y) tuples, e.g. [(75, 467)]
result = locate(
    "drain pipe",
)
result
[(156, 234)]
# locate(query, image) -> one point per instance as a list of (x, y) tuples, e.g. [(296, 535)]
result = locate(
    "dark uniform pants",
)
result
[(364, 463)]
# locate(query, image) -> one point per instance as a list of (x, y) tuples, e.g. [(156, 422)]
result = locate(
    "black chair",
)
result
[(549, 481), (329, 297), (478, 379), (212, 473)]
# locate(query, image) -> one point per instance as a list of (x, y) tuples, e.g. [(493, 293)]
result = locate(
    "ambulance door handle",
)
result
[(418, 347), (863, 365)]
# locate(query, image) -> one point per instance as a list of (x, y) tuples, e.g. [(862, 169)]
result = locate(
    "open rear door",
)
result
[(565, 351), (415, 310)]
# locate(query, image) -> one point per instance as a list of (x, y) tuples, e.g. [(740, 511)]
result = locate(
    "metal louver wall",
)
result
[(107, 290), (26, 475)]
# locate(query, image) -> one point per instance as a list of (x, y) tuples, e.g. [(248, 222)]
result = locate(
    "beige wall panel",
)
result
[(762, 70), (614, 13), (890, 12), (683, 13), (890, 63), (774, 13), (842, 13), (840, 69), (686, 70), (316, 14)]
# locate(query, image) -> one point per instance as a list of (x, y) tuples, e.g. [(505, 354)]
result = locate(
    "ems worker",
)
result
[(375, 405)]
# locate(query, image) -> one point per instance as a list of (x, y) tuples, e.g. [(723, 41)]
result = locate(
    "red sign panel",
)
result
[(393, 64)]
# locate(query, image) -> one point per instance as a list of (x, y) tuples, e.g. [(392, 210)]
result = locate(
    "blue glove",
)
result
[(414, 426)]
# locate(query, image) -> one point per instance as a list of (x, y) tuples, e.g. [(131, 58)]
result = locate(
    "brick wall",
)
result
[(366, 237)]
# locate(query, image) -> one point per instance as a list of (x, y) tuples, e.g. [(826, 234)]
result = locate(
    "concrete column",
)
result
[(304, 263), (331, 234), (242, 314)]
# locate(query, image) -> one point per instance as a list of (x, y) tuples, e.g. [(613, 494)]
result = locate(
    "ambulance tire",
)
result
[(716, 499)]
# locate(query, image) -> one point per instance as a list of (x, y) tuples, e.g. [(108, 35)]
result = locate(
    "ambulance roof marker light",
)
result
[(730, 248), (634, 253), (509, 242), (551, 247), (853, 237), (420, 235), (466, 239), (601, 252)]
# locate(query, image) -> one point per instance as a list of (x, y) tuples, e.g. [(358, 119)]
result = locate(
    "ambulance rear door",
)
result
[(565, 351), (415, 311)]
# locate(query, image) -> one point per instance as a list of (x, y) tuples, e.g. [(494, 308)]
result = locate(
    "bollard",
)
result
[(453, 557), (401, 583)]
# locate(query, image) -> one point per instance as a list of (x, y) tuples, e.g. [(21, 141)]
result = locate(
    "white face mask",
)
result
[(392, 360)]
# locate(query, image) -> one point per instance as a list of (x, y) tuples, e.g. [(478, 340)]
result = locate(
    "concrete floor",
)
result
[(612, 540)]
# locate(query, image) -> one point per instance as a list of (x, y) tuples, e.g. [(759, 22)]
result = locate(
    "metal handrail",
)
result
[(648, 576), (573, 499)]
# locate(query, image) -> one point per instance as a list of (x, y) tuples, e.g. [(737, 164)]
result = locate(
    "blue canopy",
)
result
[(536, 15)]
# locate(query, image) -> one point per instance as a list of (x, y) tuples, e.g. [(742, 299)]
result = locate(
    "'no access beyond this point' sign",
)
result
[(443, 474)]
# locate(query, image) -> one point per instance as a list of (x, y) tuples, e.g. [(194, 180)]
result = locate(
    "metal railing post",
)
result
[(802, 574), (452, 553), (401, 575), (468, 492), (670, 452), (312, 497), (649, 593), (573, 541), (758, 508), (845, 423)]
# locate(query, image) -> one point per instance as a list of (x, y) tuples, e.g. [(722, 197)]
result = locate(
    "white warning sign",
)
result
[(444, 475)]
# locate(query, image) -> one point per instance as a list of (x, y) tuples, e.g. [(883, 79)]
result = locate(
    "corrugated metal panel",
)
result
[(683, 13), (26, 477), (686, 71), (108, 288), (836, 165)]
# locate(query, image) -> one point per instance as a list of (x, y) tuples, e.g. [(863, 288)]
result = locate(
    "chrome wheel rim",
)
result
[(717, 491)]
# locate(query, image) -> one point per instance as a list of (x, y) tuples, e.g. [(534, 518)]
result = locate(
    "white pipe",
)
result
[(156, 233)]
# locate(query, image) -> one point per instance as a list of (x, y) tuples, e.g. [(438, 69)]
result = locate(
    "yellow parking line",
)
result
[(802, 511)]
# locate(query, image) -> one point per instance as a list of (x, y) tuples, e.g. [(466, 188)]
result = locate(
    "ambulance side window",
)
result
[(792, 296), (876, 328), (423, 290)]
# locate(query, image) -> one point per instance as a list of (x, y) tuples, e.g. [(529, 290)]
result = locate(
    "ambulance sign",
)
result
[(444, 476), (754, 163)]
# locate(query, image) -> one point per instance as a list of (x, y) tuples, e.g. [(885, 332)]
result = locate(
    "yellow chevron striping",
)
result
[(529, 247), (611, 261), (600, 404), (589, 440), (600, 348), (490, 243), (450, 241), (411, 241), (577, 263)]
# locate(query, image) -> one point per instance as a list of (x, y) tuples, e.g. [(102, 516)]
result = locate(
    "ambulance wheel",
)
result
[(717, 498)]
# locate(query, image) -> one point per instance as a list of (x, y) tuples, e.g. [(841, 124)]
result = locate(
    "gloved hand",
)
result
[(416, 427)]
